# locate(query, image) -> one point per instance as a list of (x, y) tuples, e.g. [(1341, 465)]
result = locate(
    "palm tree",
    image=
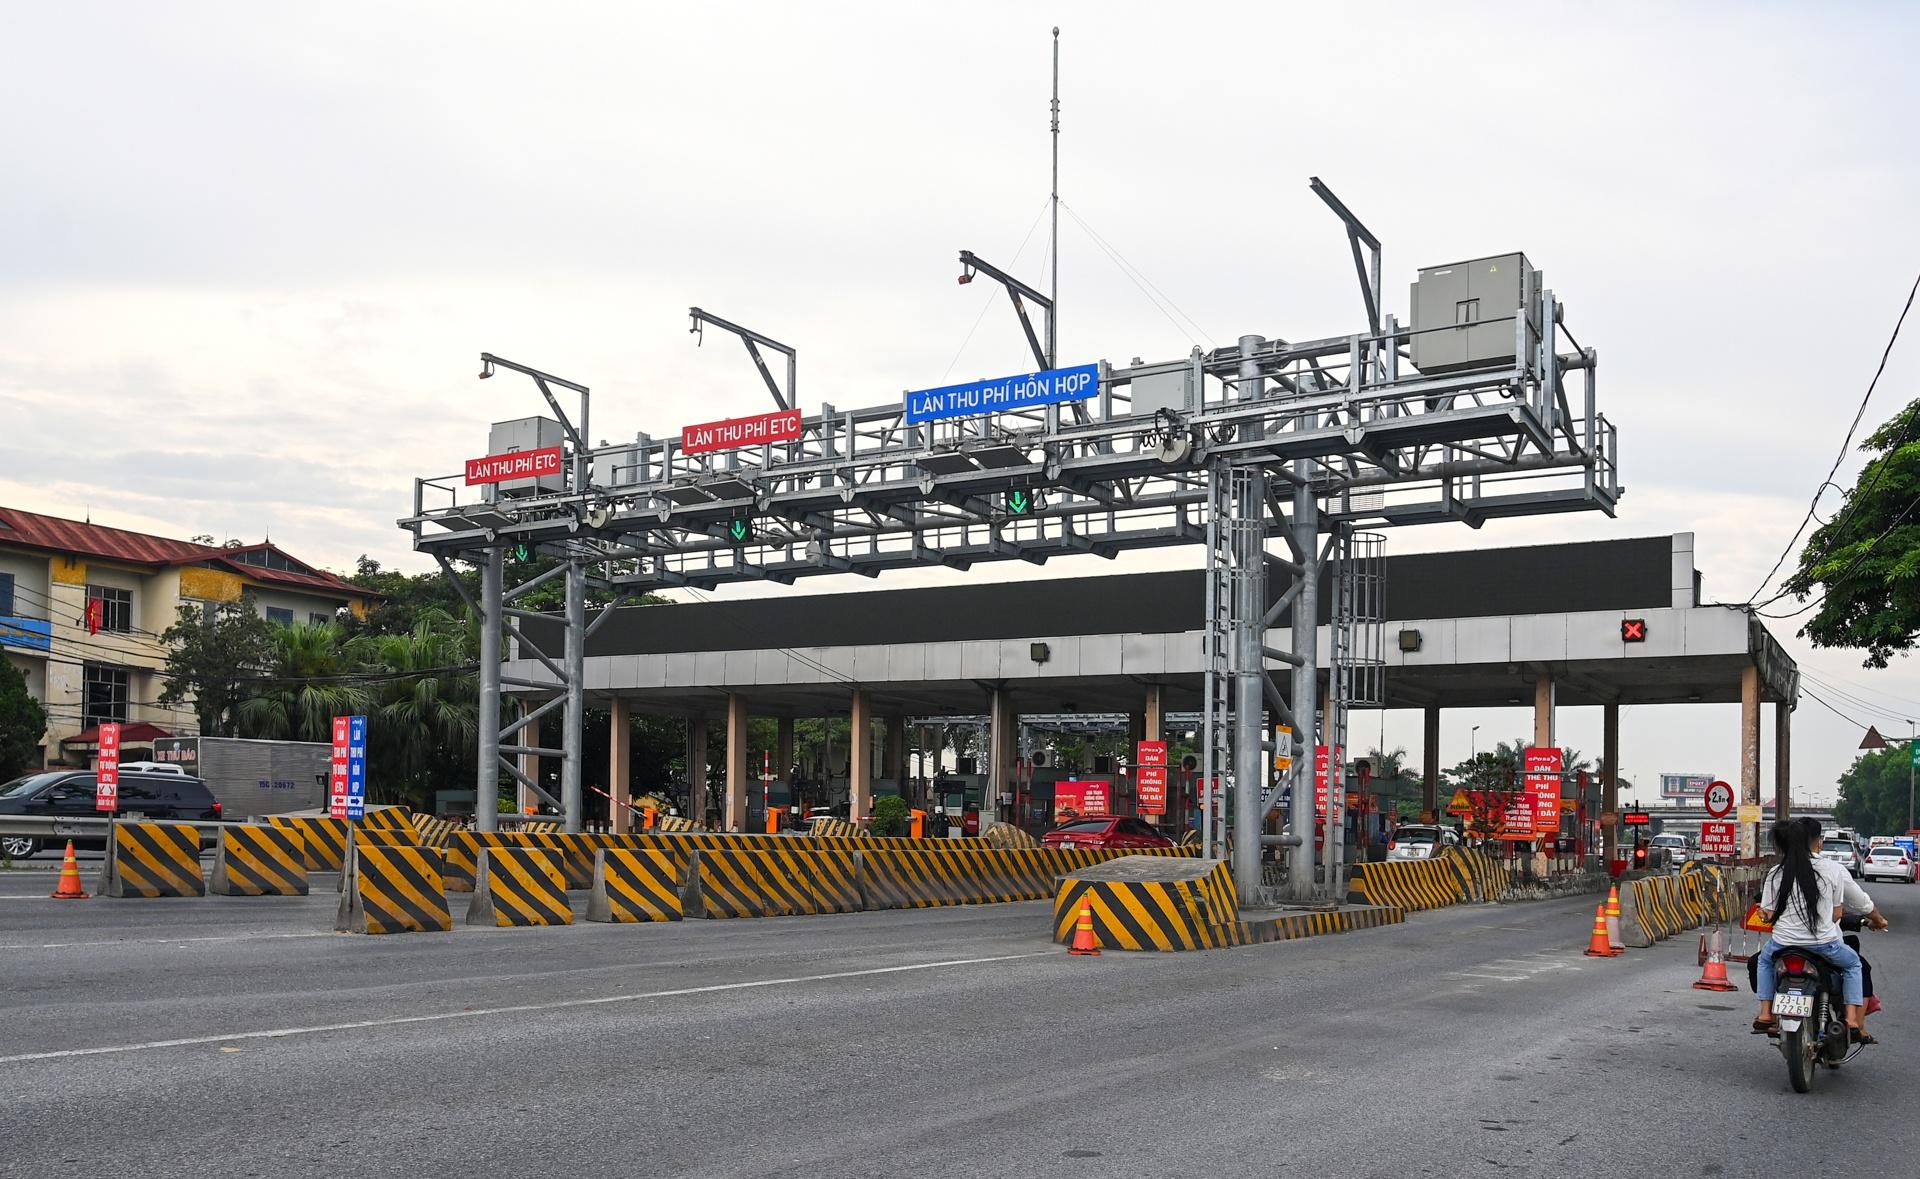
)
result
[(425, 714), (305, 688)]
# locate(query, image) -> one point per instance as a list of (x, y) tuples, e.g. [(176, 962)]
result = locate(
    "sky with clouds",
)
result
[(256, 249)]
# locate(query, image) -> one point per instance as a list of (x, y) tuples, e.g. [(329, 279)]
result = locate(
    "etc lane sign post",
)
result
[(347, 770), (106, 791), (1004, 394), (1150, 777)]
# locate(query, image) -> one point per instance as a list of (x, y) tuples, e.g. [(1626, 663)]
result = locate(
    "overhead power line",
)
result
[(1846, 444)]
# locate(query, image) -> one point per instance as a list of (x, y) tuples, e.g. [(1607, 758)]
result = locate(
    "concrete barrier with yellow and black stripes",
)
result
[(1654, 908), (389, 818), (892, 878), (1142, 903), (433, 829), (635, 886), (1412, 885), (393, 890), (152, 860), (323, 839), (520, 886), (794, 882), (252, 860), (673, 823)]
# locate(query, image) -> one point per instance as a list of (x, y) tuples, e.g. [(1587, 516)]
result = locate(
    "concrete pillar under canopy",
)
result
[(1610, 780), (1749, 754), (619, 767), (737, 769), (1430, 763), (860, 758), (1782, 760), (697, 769)]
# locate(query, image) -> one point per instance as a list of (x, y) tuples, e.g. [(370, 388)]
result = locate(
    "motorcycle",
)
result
[(1813, 1017)]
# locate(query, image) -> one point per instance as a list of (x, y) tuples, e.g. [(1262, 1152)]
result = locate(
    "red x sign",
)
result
[(1633, 630)]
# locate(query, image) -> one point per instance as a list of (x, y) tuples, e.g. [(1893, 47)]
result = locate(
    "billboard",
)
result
[(1687, 786), (1080, 799)]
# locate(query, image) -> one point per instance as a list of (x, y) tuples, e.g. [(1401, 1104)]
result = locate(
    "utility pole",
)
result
[(1910, 739)]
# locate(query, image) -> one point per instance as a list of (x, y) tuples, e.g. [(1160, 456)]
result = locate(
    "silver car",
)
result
[(1846, 853)]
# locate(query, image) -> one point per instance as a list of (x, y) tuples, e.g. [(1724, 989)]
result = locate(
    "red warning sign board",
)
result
[(1542, 765), (1719, 837), (1150, 753), (1151, 784), (106, 792)]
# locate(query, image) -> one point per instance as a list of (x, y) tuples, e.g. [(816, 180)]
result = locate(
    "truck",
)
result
[(250, 777)]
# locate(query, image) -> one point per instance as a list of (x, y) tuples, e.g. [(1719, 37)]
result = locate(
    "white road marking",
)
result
[(515, 1009), (161, 941)]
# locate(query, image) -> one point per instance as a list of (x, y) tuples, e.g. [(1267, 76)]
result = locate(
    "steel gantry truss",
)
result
[(1280, 456)]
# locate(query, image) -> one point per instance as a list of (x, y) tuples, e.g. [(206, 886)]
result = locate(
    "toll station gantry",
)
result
[(1278, 456)]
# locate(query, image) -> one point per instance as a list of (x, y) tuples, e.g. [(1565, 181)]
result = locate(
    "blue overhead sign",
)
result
[(1004, 394)]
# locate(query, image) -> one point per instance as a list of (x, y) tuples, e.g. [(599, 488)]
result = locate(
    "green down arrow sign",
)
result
[(1019, 502), (739, 530)]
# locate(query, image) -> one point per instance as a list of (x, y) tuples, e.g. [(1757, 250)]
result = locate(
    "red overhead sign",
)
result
[(1151, 784), (106, 792), (780, 426), (518, 464)]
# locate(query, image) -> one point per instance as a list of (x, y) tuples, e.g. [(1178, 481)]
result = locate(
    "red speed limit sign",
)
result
[(1719, 799)]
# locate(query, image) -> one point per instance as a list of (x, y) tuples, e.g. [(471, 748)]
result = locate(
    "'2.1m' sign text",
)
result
[(1004, 394)]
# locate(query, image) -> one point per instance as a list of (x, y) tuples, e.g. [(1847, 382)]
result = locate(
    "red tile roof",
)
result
[(52, 534)]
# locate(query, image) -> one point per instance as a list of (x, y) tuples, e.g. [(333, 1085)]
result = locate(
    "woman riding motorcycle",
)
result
[(1805, 896)]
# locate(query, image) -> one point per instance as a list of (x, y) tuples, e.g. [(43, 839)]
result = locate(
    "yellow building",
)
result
[(82, 608)]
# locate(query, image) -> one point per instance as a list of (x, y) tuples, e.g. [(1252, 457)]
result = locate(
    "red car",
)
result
[(1105, 831)]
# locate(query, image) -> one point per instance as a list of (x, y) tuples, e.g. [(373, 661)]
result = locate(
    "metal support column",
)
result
[(783, 752), (1610, 781), (574, 731), (1430, 765), (1249, 647), (1302, 870), (486, 795)]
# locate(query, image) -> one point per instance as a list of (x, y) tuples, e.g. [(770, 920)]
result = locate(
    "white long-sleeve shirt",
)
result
[(1795, 926)]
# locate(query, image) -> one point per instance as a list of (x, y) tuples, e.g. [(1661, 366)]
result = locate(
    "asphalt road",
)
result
[(235, 1037)]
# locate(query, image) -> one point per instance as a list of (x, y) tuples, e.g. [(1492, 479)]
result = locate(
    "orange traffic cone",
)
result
[(1713, 977), (1084, 944), (1597, 945), (1613, 921), (69, 887)]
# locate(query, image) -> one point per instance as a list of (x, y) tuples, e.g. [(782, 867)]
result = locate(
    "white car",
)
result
[(1421, 842), (1889, 861)]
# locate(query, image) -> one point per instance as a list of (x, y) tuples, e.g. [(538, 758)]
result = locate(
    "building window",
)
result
[(318, 619), (279, 617), (116, 608), (106, 695), (6, 595)]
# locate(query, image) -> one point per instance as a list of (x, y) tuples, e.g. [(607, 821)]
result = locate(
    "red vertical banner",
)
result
[(337, 771), (1151, 784), (106, 791), (1542, 766), (1329, 775)]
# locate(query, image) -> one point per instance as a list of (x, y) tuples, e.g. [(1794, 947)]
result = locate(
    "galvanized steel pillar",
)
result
[(486, 794), (1249, 642), (573, 736)]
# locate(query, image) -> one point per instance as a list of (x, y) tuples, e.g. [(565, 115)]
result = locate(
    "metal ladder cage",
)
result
[(1359, 619), (1228, 487)]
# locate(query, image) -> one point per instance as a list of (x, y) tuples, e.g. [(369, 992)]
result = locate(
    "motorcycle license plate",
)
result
[(1793, 1004)]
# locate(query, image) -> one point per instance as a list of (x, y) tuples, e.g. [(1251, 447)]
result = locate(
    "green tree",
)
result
[(311, 677), (22, 723), (1866, 561), (423, 711), (211, 660), (1873, 793)]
